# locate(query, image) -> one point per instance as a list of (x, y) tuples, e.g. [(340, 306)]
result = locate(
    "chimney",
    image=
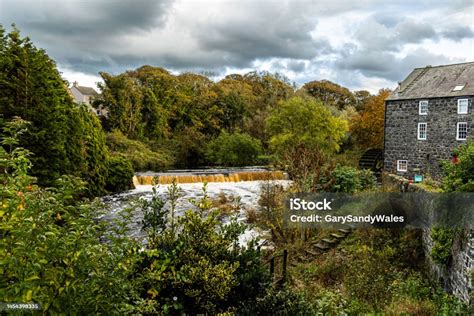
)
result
[(75, 84)]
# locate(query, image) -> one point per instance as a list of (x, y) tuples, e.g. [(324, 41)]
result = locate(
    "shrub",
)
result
[(443, 240), (460, 176), (279, 302), (197, 266), (50, 246), (120, 174), (352, 180), (142, 157), (234, 149)]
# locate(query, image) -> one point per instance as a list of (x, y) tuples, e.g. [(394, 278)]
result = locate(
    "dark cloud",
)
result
[(183, 35), (89, 19), (296, 66), (458, 33), (265, 30), (383, 64)]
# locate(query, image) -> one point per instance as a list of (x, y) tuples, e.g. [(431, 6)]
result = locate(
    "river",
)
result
[(242, 186)]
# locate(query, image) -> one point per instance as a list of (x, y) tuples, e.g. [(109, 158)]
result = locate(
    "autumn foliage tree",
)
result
[(330, 93), (367, 127)]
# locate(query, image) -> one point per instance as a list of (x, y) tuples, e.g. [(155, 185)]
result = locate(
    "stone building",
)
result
[(426, 117)]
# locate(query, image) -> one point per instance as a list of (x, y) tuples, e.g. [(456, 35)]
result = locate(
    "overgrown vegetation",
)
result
[(142, 157)]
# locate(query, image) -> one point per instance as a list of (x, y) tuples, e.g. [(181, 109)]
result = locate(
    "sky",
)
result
[(365, 44)]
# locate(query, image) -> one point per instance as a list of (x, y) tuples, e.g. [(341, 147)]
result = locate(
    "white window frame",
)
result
[(466, 105), (457, 130), (419, 131), (399, 165), (421, 105)]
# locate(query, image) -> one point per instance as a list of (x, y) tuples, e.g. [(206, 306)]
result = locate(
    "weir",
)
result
[(212, 176)]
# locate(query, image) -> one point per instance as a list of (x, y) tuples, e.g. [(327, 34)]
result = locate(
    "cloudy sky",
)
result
[(361, 44)]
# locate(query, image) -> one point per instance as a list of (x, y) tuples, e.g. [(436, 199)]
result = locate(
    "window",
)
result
[(458, 88), (463, 106), (402, 165), (461, 133), (423, 108), (422, 131)]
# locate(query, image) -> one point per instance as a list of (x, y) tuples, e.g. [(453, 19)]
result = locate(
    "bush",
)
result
[(460, 176), (352, 180), (234, 150), (443, 240), (50, 246), (120, 174), (142, 157), (279, 302), (195, 265)]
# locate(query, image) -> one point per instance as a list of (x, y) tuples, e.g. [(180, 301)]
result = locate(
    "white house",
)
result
[(85, 95)]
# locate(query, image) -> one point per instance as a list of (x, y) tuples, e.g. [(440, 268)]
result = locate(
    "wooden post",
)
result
[(272, 266), (285, 260)]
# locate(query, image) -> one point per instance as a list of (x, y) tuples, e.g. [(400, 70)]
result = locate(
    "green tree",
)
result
[(64, 138), (233, 149), (304, 121), (122, 97)]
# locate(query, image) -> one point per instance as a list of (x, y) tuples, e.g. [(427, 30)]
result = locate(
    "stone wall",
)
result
[(457, 277), (401, 139)]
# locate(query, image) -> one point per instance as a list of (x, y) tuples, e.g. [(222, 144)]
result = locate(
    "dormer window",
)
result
[(423, 107), (458, 88), (463, 105)]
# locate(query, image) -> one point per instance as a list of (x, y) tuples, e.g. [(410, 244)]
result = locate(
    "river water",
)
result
[(225, 182)]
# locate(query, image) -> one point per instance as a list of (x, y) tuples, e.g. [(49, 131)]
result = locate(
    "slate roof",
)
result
[(86, 90), (436, 82)]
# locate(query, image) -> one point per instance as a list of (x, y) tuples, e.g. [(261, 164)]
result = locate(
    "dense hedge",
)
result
[(120, 174)]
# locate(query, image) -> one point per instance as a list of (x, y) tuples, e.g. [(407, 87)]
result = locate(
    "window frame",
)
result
[(399, 163), (420, 105), (418, 131), (467, 106), (457, 130)]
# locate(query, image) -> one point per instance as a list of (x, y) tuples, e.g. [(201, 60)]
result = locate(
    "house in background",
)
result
[(427, 117), (85, 95)]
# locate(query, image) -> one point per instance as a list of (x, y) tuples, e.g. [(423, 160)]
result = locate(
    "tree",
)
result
[(304, 121), (64, 138), (122, 97), (367, 126), (233, 149), (330, 93)]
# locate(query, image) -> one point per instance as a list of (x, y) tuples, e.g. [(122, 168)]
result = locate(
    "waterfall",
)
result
[(164, 178)]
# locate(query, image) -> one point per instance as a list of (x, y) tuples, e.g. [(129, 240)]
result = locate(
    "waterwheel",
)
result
[(372, 159)]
